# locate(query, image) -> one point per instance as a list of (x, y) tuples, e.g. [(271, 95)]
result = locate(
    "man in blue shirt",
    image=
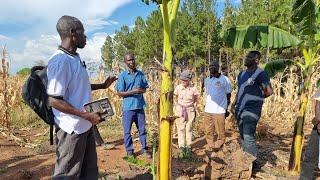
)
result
[(253, 86), (130, 86)]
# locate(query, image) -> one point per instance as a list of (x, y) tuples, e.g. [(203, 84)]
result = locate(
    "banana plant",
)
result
[(258, 36), (310, 59), (276, 66), (169, 9), (305, 17)]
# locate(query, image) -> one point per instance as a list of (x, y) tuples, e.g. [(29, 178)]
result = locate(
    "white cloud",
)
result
[(114, 22), (33, 50), (3, 37), (33, 17), (91, 53), (45, 46), (44, 14), (96, 24)]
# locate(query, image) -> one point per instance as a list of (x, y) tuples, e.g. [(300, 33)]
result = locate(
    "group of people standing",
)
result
[(69, 89), (253, 86)]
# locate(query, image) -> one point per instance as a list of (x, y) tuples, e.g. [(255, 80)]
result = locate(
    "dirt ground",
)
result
[(28, 155)]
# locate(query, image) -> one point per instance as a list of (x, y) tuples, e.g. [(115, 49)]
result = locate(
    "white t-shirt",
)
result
[(68, 78), (217, 90)]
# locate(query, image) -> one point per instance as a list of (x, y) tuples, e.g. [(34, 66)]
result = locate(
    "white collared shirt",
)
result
[(68, 78), (217, 90)]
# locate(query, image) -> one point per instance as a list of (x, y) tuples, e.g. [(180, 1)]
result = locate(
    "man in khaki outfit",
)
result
[(218, 90)]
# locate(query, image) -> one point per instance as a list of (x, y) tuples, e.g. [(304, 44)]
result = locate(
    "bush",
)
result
[(24, 72)]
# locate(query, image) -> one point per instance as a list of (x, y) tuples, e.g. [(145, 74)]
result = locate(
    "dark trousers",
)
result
[(76, 156), (128, 118), (247, 124)]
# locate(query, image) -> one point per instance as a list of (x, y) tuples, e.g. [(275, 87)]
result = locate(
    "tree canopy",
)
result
[(197, 37)]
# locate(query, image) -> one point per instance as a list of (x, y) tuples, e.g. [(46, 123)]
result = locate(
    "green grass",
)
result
[(110, 128), (24, 116), (137, 162), (140, 163), (3, 169), (186, 155)]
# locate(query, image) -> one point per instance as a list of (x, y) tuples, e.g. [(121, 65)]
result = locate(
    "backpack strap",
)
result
[(247, 97), (37, 68), (248, 82)]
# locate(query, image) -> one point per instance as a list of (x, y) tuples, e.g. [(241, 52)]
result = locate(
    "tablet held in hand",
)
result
[(101, 106)]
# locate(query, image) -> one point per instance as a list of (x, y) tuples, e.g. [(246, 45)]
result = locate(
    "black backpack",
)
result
[(34, 94)]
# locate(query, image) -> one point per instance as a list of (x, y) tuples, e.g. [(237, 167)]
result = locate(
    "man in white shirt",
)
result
[(218, 90), (69, 89)]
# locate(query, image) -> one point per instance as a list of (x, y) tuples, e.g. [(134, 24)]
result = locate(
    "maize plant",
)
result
[(4, 93), (10, 87), (169, 9)]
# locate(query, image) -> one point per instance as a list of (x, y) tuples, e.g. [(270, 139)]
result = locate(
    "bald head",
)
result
[(67, 24), (252, 58), (215, 63), (214, 67)]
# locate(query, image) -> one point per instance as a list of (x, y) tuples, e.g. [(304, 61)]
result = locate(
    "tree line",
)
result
[(198, 38)]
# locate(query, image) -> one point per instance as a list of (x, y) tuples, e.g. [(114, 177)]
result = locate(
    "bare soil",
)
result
[(26, 154)]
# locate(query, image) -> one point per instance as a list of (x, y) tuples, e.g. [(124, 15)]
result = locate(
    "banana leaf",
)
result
[(276, 66), (259, 36), (304, 16)]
